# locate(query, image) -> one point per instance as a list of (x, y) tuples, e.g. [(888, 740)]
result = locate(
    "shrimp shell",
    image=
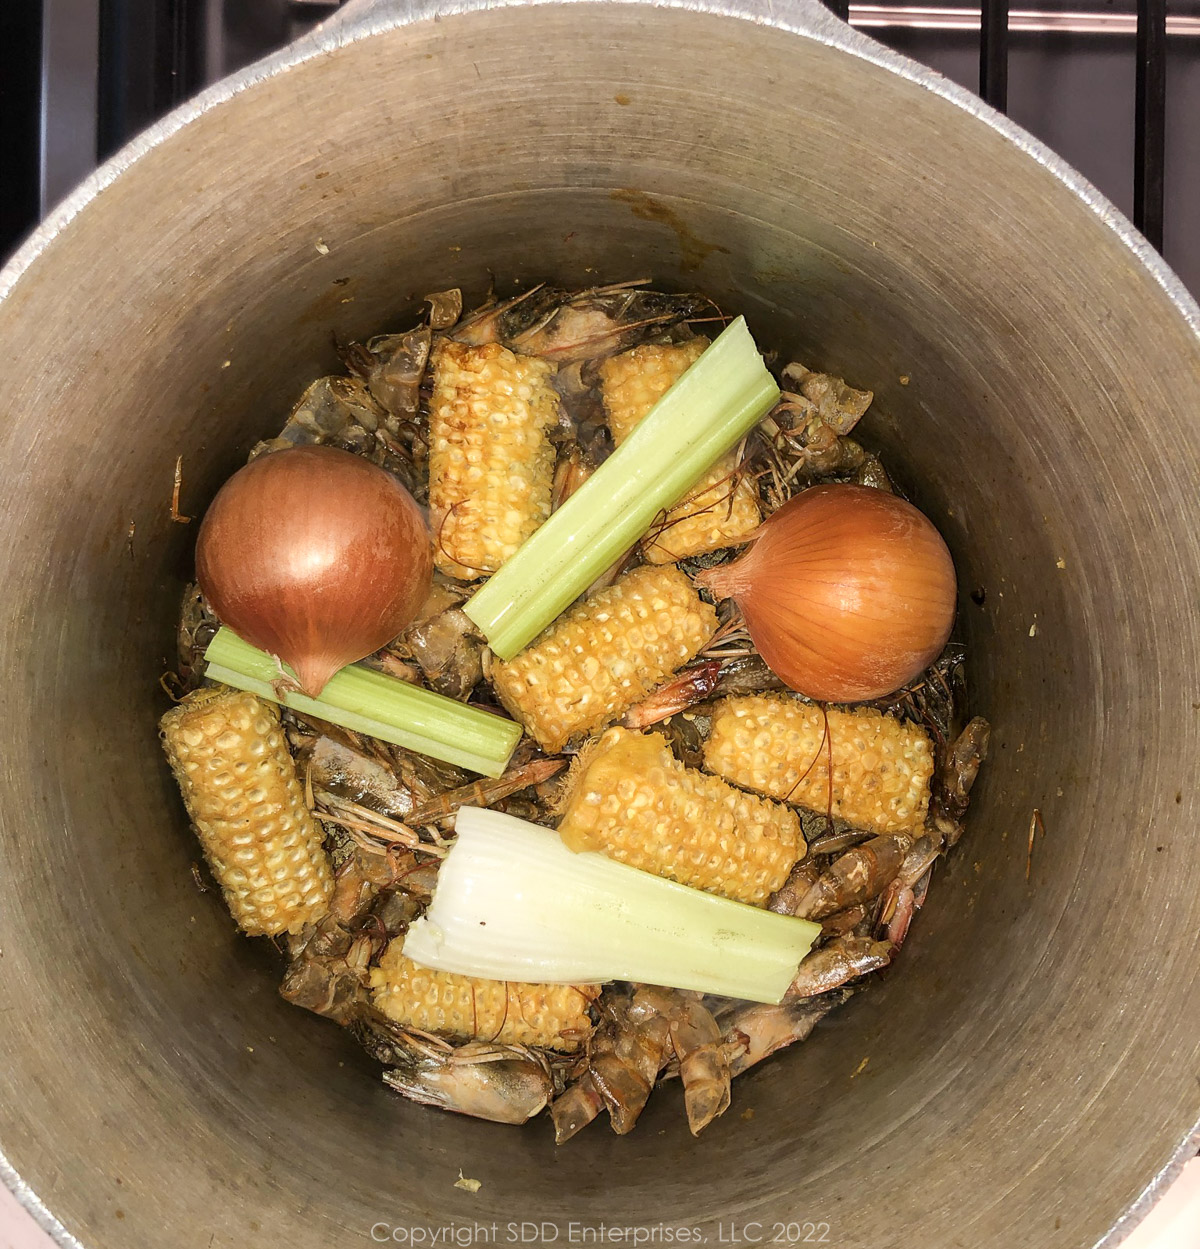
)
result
[(574, 1108), (696, 1040), (502, 1085), (754, 1032), (787, 898), (833, 965), (584, 325), (685, 688), (856, 876)]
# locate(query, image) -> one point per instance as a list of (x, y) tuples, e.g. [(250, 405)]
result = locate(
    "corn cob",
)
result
[(246, 803), (506, 1011), (721, 509), (631, 799), (634, 381), (777, 746), (491, 465), (604, 655)]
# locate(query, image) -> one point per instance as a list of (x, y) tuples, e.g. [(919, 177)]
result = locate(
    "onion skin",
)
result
[(848, 592), (316, 556)]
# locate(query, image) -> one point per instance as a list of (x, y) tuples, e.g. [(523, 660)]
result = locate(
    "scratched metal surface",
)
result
[(1031, 1073)]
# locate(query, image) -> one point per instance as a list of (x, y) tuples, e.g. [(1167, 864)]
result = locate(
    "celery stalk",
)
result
[(513, 903), (722, 396), (380, 706)]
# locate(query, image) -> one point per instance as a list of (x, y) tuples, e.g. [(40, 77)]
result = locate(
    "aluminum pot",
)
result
[(1028, 1075)]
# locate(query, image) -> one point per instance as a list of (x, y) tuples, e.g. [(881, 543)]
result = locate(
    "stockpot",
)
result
[(1027, 1074)]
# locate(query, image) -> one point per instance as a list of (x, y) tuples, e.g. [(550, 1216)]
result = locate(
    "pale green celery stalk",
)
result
[(512, 902), (719, 399), (380, 706)]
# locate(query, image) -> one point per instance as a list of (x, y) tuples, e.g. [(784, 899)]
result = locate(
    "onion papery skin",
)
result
[(316, 556), (848, 592)]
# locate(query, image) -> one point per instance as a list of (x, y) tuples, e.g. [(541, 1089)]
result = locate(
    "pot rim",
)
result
[(808, 19)]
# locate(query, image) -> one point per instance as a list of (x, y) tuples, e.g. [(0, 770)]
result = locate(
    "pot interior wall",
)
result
[(1026, 1069)]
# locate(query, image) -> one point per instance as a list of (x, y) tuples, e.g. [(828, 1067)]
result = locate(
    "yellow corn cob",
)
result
[(631, 799), (240, 788), (604, 654), (491, 465), (776, 745), (509, 1012), (721, 509)]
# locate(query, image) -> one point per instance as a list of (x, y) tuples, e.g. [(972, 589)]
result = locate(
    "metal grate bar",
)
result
[(1150, 120), (152, 57), (70, 74), (1020, 21), (839, 8), (993, 54)]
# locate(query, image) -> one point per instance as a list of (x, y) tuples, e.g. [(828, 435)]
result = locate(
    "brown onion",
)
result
[(848, 592), (316, 556)]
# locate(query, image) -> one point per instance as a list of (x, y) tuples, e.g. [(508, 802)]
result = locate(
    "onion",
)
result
[(848, 592), (316, 556)]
